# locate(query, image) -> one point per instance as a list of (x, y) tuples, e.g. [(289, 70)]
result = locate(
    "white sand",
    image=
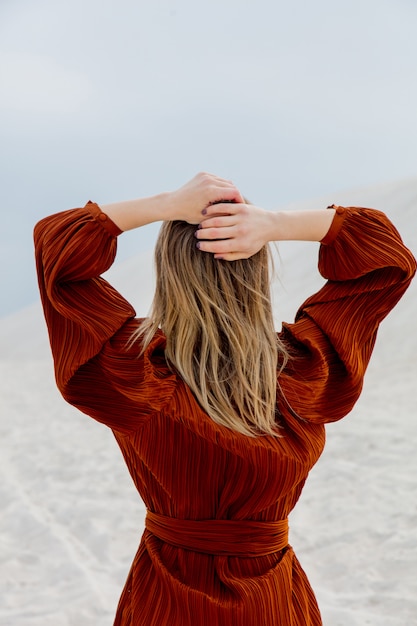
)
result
[(71, 519)]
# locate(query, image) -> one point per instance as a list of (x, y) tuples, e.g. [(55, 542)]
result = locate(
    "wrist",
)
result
[(163, 206), (279, 228), (130, 214), (269, 225)]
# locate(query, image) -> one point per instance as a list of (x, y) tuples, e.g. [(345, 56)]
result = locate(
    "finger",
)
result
[(231, 256), (228, 193), (227, 232), (227, 208), (217, 214), (220, 247), (218, 221)]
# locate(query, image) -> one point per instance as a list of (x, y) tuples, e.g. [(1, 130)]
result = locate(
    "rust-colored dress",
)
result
[(215, 549)]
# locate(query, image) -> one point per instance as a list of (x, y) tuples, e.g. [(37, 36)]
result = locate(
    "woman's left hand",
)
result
[(188, 202)]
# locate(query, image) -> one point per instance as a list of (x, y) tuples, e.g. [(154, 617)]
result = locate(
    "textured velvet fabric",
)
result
[(185, 466)]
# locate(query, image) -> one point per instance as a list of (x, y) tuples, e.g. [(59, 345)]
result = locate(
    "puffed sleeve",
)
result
[(368, 269), (82, 310)]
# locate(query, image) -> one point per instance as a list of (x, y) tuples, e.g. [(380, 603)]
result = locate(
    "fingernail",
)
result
[(199, 226), (198, 244), (204, 211), (219, 258)]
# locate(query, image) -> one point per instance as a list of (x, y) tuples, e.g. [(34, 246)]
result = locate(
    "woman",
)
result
[(218, 419)]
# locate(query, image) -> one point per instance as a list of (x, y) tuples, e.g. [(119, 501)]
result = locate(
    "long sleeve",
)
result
[(368, 269), (82, 310)]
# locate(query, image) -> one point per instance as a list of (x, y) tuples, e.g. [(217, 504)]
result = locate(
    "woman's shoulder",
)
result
[(125, 349), (134, 371)]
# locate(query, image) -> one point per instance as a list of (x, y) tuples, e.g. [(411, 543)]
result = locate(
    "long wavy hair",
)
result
[(220, 337)]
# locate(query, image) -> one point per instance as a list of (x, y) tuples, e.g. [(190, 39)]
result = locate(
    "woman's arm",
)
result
[(246, 228), (75, 247), (367, 268), (186, 203)]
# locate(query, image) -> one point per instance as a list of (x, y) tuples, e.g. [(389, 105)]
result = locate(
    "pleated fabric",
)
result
[(215, 548)]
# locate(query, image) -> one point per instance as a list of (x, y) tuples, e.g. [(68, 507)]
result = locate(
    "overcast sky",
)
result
[(114, 99)]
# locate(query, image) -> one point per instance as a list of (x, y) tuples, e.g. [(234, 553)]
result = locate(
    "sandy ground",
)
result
[(71, 519)]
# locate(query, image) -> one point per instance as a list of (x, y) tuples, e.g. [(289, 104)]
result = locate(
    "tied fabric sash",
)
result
[(220, 537)]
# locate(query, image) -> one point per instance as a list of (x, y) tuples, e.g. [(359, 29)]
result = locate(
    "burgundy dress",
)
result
[(215, 548)]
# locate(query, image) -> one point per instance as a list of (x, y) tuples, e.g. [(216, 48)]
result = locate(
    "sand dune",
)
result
[(71, 518)]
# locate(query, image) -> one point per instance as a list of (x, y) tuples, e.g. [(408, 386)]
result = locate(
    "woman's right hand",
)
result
[(235, 231), (238, 231)]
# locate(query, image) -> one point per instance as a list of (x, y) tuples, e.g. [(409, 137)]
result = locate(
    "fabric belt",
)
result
[(218, 536)]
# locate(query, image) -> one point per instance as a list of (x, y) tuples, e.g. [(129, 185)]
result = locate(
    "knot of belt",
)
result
[(219, 536)]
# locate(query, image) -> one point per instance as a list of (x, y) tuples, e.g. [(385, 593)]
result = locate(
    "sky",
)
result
[(116, 99)]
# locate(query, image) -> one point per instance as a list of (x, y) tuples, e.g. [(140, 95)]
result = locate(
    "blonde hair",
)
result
[(220, 337)]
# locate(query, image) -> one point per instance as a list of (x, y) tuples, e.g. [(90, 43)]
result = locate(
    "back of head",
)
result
[(217, 319)]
